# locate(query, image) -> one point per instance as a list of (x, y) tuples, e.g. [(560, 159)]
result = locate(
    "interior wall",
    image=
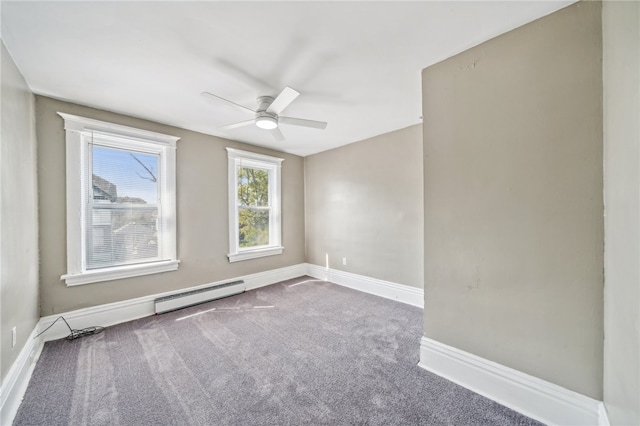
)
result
[(18, 213), (202, 236), (364, 203), (513, 211), (621, 73)]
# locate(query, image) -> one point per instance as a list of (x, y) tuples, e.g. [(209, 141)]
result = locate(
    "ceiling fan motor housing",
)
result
[(265, 120), (264, 102)]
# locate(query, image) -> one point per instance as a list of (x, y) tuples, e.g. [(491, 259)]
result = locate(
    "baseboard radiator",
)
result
[(195, 297)]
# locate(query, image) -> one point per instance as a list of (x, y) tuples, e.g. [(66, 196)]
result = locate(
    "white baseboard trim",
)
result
[(533, 397), (387, 289), (15, 383), (603, 417), (128, 310), (273, 276)]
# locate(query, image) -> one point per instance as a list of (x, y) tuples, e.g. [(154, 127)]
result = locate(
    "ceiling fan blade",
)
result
[(302, 122), (283, 100), (244, 76), (236, 125), (277, 135), (243, 108)]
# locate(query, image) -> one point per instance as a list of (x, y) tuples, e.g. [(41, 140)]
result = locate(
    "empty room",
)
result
[(338, 213)]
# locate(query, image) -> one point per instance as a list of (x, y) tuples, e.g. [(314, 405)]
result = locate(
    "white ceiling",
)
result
[(356, 64)]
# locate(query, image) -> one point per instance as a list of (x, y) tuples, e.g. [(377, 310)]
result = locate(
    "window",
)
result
[(254, 205), (121, 219)]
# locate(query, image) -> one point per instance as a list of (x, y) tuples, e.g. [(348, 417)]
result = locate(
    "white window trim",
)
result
[(75, 128), (237, 157)]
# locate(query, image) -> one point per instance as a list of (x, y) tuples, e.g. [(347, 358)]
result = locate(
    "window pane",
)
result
[(124, 177), (119, 236), (253, 187), (122, 221), (253, 227)]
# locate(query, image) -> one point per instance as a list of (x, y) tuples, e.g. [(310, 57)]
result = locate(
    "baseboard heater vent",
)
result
[(195, 297)]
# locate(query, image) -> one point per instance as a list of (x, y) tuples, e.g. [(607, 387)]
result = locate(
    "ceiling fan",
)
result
[(267, 114)]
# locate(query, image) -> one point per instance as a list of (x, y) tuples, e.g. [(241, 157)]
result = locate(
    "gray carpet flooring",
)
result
[(300, 352)]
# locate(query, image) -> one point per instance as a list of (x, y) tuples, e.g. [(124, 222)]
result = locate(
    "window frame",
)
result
[(273, 165), (79, 134)]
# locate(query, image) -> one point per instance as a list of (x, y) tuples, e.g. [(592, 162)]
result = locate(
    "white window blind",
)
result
[(123, 207)]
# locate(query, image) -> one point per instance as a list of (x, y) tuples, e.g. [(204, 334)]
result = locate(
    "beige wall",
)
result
[(18, 214), (364, 202), (621, 72), (201, 208), (513, 199)]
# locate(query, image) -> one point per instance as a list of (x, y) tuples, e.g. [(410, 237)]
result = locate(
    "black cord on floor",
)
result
[(75, 333)]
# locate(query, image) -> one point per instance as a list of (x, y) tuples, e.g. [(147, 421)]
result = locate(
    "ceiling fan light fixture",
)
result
[(267, 123)]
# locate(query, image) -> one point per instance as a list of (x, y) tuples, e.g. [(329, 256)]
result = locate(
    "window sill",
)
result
[(120, 272), (253, 254)]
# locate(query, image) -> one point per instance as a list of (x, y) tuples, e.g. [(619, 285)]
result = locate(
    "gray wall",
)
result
[(18, 214), (513, 199), (201, 208), (364, 202), (621, 72)]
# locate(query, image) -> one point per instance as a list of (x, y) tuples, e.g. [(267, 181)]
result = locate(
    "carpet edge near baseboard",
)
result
[(528, 395)]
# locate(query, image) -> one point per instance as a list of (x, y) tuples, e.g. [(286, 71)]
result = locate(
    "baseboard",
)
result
[(273, 276), (128, 310), (389, 290), (533, 397), (603, 417), (15, 383)]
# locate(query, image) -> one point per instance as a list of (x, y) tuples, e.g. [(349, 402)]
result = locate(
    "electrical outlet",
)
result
[(14, 334), (344, 261)]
